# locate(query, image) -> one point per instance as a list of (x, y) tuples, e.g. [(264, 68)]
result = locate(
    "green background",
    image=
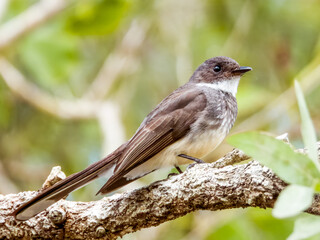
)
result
[(63, 55)]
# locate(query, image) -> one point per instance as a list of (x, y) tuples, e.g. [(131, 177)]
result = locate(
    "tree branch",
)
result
[(122, 60), (28, 20), (214, 186), (89, 105)]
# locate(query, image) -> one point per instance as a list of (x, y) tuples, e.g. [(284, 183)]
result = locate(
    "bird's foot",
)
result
[(173, 174), (191, 165), (197, 160), (178, 169)]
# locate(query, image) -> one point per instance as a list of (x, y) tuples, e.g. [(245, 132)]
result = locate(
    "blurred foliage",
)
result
[(63, 56), (96, 17), (254, 224), (300, 171)]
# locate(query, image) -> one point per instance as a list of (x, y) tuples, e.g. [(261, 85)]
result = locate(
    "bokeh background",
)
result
[(78, 77)]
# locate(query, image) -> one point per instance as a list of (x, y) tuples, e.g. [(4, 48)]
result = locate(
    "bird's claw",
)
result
[(193, 164), (172, 174)]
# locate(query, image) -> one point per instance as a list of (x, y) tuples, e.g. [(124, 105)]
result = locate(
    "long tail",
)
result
[(54, 193)]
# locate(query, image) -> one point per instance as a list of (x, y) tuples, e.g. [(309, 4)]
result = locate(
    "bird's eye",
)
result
[(217, 68)]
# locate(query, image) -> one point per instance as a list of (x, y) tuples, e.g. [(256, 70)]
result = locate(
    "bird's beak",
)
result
[(240, 71)]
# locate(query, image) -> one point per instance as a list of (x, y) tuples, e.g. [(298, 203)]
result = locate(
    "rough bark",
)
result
[(212, 187)]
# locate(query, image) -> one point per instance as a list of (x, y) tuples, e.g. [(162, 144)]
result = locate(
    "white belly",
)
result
[(168, 157)]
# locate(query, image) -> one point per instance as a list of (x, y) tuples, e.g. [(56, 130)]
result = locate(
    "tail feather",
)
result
[(114, 185), (116, 181), (64, 187)]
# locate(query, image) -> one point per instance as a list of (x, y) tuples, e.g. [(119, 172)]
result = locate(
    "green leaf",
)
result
[(305, 226), (292, 167), (307, 129), (293, 200), (317, 187)]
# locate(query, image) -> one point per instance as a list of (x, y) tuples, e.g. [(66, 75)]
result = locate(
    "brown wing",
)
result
[(171, 122)]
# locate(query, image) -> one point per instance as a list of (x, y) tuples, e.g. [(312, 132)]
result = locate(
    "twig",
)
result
[(65, 109), (233, 157), (121, 61), (111, 127), (30, 19), (88, 106), (176, 19), (3, 8), (240, 30)]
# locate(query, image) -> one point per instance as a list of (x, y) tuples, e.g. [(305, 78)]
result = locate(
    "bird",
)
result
[(183, 128)]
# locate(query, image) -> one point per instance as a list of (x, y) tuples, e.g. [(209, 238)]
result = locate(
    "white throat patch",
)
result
[(230, 86)]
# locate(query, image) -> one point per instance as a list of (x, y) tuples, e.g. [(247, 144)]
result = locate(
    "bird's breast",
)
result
[(201, 144)]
